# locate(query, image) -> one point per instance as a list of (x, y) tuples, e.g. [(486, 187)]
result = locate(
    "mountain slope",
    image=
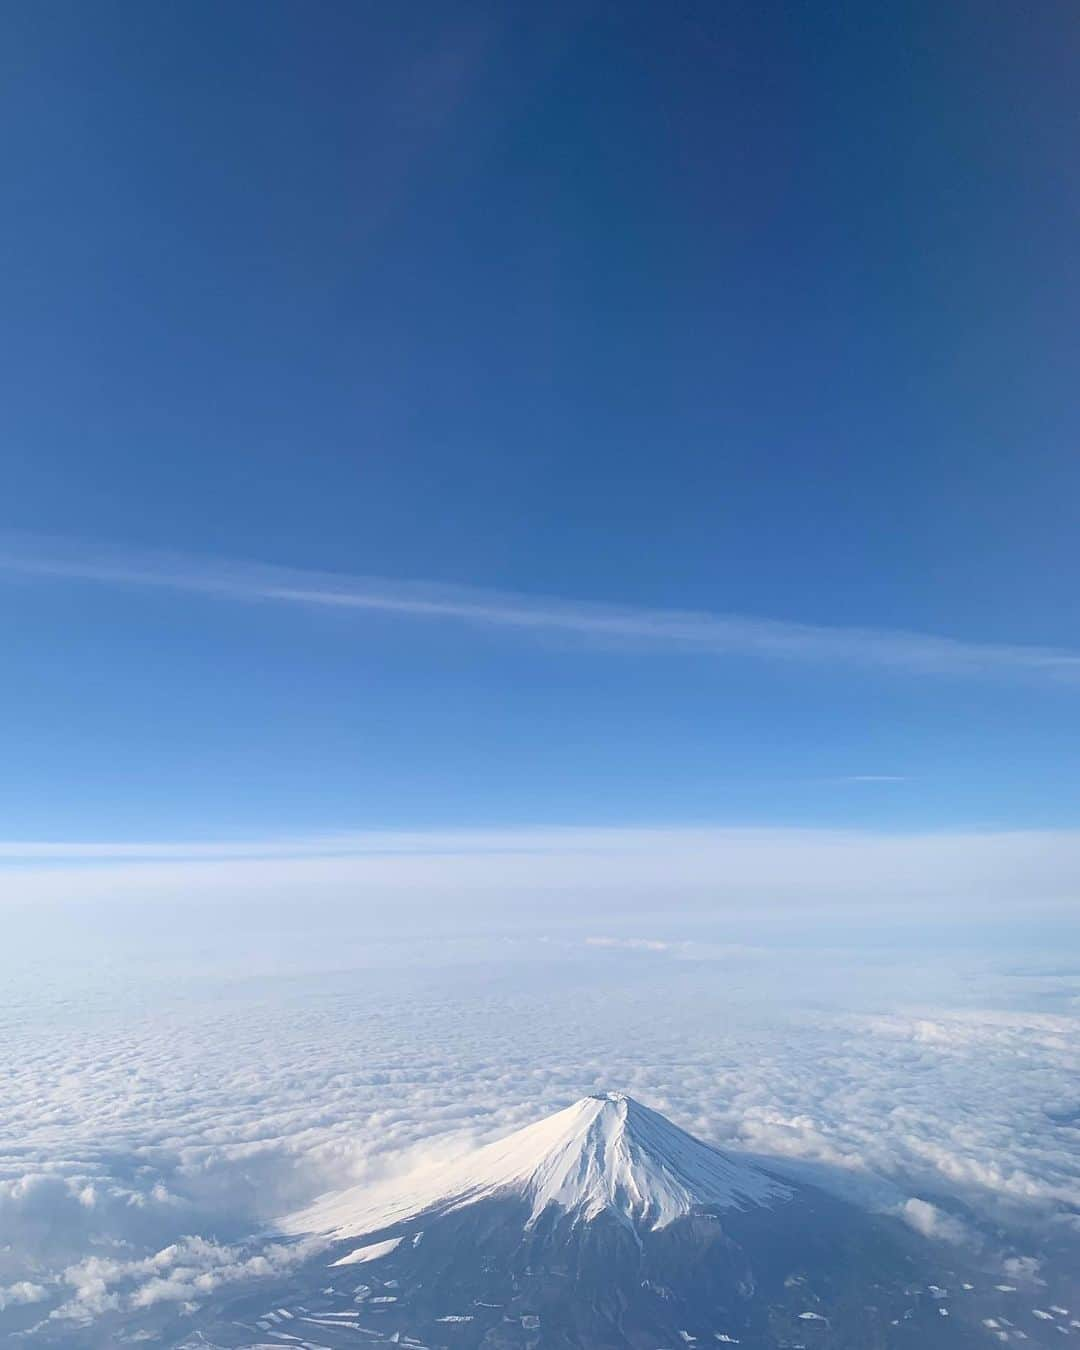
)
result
[(605, 1154)]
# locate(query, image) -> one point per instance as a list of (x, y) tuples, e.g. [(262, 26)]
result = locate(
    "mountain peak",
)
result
[(607, 1153)]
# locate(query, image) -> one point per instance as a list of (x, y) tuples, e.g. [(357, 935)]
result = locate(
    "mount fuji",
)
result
[(605, 1155), (602, 1227)]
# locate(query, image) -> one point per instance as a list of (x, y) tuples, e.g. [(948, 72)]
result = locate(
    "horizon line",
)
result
[(506, 840)]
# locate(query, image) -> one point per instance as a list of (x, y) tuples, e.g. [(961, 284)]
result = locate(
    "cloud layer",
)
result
[(151, 1127), (455, 877)]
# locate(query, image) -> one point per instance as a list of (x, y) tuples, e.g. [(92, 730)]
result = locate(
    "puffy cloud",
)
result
[(180, 1273), (1023, 1269), (21, 1292), (933, 1222)]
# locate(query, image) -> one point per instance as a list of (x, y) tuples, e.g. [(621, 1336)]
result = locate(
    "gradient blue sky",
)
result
[(765, 310)]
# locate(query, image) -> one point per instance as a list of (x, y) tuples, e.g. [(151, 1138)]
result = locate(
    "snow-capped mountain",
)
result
[(602, 1227), (604, 1154)]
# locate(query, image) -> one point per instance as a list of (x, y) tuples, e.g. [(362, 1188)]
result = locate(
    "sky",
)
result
[(537, 552), (762, 315)]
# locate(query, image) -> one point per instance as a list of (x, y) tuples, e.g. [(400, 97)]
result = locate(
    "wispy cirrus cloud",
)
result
[(714, 634)]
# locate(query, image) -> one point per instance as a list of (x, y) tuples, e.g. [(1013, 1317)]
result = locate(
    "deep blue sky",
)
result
[(767, 309)]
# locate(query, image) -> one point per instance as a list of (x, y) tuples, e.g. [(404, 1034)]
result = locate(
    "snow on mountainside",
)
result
[(605, 1154)]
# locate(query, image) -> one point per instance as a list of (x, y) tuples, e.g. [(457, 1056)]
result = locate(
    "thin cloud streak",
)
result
[(870, 778), (671, 629)]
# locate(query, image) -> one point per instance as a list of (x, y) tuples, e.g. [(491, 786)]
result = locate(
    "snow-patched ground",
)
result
[(369, 1253)]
